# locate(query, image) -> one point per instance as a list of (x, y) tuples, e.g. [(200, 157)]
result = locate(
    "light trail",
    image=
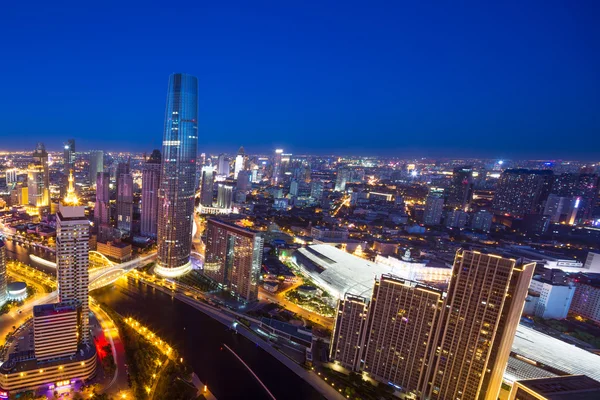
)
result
[(42, 261), (252, 372)]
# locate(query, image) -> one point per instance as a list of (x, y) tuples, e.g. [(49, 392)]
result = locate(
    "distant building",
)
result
[(3, 294), (316, 190), (434, 206), (562, 209), (584, 187), (244, 183), (207, 180), (553, 301), (482, 221), (102, 207), (592, 262), (150, 187), (457, 219), (348, 339), (233, 258), (586, 301), (276, 175), (40, 156), (520, 192), (96, 164), (125, 203), (343, 176), (223, 165), (38, 193), (239, 163), (321, 233), (118, 251), (68, 165), (224, 196), (460, 192), (575, 387)]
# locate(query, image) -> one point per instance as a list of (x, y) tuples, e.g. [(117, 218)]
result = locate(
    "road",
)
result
[(288, 305), (7, 321)]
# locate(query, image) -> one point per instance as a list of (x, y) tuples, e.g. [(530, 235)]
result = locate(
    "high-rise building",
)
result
[(72, 255), (562, 209), (239, 162), (223, 165), (178, 176), (11, 176), (56, 330), (482, 311), (316, 189), (243, 181), (68, 165), (457, 219), (125, 203), (521, 192), (584, 187), (553, 300), (403, 319), (347, 344), (482, 220), (96, 164), (343, 176), (434, 206), (207, 186), (233, 258), (294, 188), (276, 175), (123, 168), (3, 294), (460, 192), (586, 301), (38, 193), (150, 187), (102, 207), (224, 196), (40, 156)]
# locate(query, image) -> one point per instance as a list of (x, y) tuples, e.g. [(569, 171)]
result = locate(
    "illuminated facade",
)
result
[(349, 332), (178, 176), (233, 258), (239, 163), (482, 311), (96, 164), (207, 186), (150, 186), (56, 330), (102, 207), (125, 203), (520, 192), (3, 293)]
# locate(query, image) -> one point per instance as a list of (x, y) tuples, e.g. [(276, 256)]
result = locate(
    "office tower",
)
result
[(294, 188), (562, 209), (68, 165), (102, 207), (586, 301), (207, 181), (56, 330), (233, 258), (460, 192), (72, 259), (433, 210), (38, 193), (482, 220), (349, 332), (11, 176), (316, 189), (457, 219), (520, 192), (3, 294), (403, 319), (40, 156), (178, 177), (223, 165), (96, 164), (125, 203), (552, 301), (581, 186), (224, 196), (243, 181), (276, 174), (239, 162), (150, 187), (482, 311), (343, 176), (575, 387), (122, 169)]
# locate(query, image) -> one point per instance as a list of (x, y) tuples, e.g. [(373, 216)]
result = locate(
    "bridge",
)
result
[(101, 277)]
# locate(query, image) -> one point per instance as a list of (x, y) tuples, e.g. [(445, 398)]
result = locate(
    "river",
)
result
[(199, 339)]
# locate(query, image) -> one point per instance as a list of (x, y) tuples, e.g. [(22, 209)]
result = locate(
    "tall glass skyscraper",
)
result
[(178, 177)]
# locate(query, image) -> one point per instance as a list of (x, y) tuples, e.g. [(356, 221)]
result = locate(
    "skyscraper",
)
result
[(482, 311), (460, 192), (178, 176), (72, 255), (68, 165), (40, 156), (207, 186), (276, 172), (234, 258), (223, 165), (521, 192), (581, 186), (243, 181), (125, 203), (102, 207), (342, 177), (403, 318), (224, 196), (347, 344), (96, 164), (2, 273), (150, 187), (39, 195), (433, 210), (316, 189), (239, 162)]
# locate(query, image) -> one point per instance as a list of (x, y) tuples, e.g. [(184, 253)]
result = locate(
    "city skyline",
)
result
[(454, 89)]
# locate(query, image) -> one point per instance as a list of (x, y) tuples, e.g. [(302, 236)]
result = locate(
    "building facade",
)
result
[(3, 283), (207, 180), (56, 330), (347, 344), (102, 207), (150, 187), (434, 206), (233, 258), (125, 203), (521, 192), (96, 164), (178, 177), (460, 191)]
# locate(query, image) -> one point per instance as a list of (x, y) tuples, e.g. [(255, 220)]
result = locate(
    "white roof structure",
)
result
[(342, 272), (555, 353)]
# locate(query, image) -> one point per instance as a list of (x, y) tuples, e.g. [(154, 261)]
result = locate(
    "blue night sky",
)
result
[(449, 78)]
